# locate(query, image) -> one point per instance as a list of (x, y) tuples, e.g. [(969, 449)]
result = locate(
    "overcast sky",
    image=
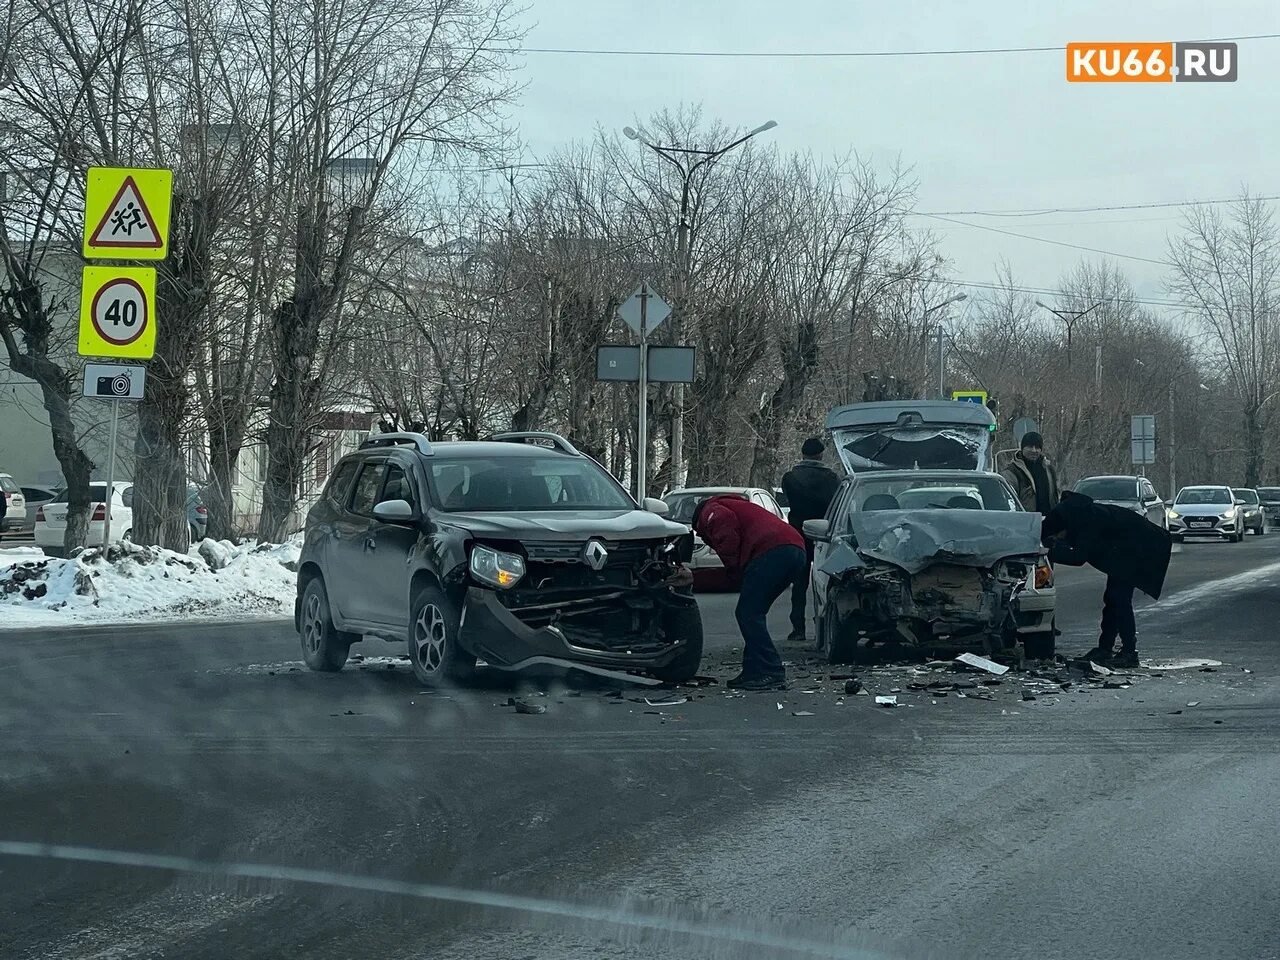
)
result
[(981, 132)]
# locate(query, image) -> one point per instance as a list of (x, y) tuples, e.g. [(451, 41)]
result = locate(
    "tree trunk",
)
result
[(286, 438), (799, 361), (1253, 445)]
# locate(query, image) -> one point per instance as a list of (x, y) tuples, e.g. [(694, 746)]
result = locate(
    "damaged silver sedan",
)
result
[(930, 562)]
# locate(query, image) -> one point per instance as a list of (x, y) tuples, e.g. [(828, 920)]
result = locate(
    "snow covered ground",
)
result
[(132, 584)]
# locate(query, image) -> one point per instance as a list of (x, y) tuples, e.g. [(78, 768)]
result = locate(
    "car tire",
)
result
[(1041, 645), (324, 646), (435, 653), (684, 623), (841, 648)]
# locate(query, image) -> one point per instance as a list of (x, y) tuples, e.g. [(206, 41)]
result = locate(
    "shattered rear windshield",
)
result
[(941, 449), (1108, 488)]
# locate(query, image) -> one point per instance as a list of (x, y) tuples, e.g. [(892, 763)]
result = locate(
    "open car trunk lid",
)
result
[(910, 434)]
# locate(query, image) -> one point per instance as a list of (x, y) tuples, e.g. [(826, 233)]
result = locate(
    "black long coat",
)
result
[(1122, 544)]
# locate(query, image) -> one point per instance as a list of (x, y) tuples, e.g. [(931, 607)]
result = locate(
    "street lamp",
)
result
[(1069, 317), (941, 336), (687, 168)]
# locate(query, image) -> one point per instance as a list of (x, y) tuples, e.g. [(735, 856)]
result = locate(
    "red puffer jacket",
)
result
[(739, 531)]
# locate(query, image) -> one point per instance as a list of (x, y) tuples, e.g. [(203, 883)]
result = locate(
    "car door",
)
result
[(347, 578), (387, 549), (818, 580), (1152, 502)]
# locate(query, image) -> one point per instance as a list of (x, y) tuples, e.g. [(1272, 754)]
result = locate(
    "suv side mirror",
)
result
[(395, 511), (819, 530), (654, 505)]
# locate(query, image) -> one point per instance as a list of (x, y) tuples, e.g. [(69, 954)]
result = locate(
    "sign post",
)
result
[(1142, 440), (113, 382), (643, 311)]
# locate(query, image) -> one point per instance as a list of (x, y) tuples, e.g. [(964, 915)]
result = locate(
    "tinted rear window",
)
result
[(97, 494)]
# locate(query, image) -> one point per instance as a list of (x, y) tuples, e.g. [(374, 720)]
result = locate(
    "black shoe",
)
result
[(1099, 655), (796, 636), (761, 681), (1126, 659)]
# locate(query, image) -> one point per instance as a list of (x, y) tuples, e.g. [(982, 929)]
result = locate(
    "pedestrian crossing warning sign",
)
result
[(126, 213)]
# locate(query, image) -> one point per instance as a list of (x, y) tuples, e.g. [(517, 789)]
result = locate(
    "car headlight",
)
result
[(1173, 515), (496, 567), (1044, 575), (1228, 514)]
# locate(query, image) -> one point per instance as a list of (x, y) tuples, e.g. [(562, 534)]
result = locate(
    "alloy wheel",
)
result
[(430, 635), (312, 624)]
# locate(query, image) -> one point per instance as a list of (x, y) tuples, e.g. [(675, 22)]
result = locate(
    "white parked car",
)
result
[(708, 569), (51, 519), (16, 515)]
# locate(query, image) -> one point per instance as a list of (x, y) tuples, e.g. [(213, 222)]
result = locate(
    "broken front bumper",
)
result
[(496, 635)]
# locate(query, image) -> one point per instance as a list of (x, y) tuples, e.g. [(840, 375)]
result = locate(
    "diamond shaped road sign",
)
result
[(656, 310)]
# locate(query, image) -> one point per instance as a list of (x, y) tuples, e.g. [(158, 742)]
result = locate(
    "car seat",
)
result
[(487, 491), (881, 501), (963, 502)]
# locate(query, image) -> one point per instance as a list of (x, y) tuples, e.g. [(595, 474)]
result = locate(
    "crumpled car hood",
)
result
[(567, 524), (914, 539)]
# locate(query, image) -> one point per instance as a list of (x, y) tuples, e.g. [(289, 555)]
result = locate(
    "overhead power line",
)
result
[(835, 54), (1041, 211), (1056, 243)]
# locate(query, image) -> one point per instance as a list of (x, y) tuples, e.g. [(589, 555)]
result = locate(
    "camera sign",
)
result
[(114, 381), (117, 312)]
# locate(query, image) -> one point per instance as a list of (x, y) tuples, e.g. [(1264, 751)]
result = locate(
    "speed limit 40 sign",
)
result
[(117, 312)]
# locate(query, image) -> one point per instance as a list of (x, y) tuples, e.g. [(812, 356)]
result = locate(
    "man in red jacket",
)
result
[(765, 555)]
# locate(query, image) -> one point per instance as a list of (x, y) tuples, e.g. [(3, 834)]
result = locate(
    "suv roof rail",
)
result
[(520, 436), (418, 440)]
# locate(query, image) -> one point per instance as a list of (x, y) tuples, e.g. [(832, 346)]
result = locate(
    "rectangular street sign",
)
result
[(126, 213), (666, 364), (1143, 427), (114, 381), (970, 396), (118, 313), (1144, 451)]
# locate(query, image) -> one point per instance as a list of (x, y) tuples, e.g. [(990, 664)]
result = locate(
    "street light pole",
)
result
[(687, 170), (1070, 318), (942, 339)]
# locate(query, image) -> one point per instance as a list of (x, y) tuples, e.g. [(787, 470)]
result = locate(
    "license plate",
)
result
[(1202, 523)]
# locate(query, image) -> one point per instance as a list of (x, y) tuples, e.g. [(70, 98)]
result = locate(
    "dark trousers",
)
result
[(1117, 616), (763, 581), (800, 592)]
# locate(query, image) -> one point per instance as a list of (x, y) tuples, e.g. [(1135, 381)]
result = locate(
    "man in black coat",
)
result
[(1128, 548), (808, 487)]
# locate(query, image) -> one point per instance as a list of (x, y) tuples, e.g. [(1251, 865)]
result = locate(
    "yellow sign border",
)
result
[(103, 185), (965, 395), (92, 344)]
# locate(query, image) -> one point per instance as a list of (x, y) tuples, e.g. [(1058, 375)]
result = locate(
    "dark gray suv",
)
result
[(517, 551)]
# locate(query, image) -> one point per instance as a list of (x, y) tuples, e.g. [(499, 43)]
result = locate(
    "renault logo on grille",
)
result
[(595, 555)]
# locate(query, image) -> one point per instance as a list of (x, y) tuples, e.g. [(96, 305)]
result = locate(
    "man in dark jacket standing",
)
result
[(764, 554), (1128, 548), (808, 487), (1033, 476)]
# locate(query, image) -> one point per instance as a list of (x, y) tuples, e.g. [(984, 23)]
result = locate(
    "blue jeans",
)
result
[(763, 581)]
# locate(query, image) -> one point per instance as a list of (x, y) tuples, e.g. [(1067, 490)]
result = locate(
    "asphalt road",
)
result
[(235, 805)]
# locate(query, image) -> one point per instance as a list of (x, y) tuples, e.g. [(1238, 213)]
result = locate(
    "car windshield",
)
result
[(1269, 494), (507, 484), (1203, 495), (1109, 488), (938, 493), (682, 505), (1248, 496)]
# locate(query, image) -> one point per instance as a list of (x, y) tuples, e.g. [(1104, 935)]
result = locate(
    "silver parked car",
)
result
[(1208, 511), (1132, 493)]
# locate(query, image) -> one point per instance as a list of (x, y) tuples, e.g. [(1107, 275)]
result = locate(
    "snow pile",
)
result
[(128, 583)]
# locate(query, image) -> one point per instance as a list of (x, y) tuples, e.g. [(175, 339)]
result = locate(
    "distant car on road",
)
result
[(1255, 517), (1270, 497), (708, 569), (51, 519), (1206, 511), (15, 517), (1133, 493)]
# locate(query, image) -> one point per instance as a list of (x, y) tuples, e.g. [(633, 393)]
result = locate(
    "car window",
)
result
[(933, 493), (126, 497), (1108, 488), (838, 503), (1248, 496), (1269, 494), (1148, 491), (1203, 495), (97, 494), (368, 480), (8, 485), (770, 504), (502, 484), (340, 482), (397, 485)]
